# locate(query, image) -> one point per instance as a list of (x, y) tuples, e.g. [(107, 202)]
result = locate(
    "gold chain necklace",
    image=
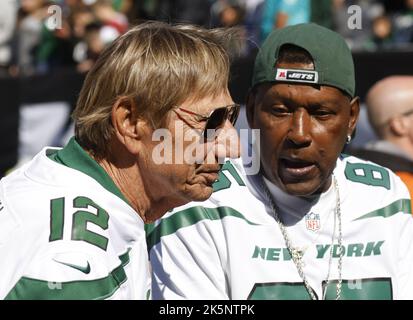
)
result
[(297, 256)]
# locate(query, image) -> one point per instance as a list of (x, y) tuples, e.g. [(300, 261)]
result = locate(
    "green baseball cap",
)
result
[(333, 62)]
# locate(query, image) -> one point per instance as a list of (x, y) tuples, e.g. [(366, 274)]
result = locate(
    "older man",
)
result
[(72, 220), (390, 110), (313, 223)]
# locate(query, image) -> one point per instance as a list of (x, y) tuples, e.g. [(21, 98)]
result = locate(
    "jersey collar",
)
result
[(75, 157)]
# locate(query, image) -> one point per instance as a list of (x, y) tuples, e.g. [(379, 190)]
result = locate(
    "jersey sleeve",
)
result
[(405, 252), (185, 257), (405, 269), (399, 196), (10, 262)]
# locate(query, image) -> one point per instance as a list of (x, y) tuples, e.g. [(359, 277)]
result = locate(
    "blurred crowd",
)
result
[(30, 45)]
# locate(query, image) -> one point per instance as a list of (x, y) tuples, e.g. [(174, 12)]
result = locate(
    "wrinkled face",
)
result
[(183, 166), (303, 130)]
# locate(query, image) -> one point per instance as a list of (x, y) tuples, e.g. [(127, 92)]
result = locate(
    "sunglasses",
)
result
[(216, 119)]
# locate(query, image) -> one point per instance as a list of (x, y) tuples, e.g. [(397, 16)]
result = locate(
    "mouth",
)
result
[(296, 168)]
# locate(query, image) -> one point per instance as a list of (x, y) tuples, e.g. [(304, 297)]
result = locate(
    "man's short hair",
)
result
[(159, 66), (290, 53)]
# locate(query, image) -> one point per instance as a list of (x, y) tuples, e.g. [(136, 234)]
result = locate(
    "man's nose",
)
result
[(299, 132)]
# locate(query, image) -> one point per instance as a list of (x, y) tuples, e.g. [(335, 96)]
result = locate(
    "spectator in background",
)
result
[(370, 9), (55, 47), (381, 34), (281, 13), (124, 6), (404, 24), (84, 30), (390, 110), (8, 10), (232, 13), (29, 28), (130, 8), (218, 8), (94, 27), (79, 19), (253, 9), (115, 23), (93, 45)]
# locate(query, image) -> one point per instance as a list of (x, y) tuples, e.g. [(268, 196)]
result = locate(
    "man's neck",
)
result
[(129, 184), (150, 204), (293, 208)]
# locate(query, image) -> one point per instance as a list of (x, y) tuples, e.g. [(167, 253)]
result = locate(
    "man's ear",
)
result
[(249, 106), (398, 126), (129, 127), (354, 114)]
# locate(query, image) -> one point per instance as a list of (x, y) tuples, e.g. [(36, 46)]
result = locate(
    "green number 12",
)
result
[(79, 221)]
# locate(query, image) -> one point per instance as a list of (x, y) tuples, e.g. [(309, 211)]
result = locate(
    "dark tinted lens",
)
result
[(216, 119)]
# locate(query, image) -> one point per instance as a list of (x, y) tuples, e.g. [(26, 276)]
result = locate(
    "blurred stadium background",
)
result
[(42, 67)]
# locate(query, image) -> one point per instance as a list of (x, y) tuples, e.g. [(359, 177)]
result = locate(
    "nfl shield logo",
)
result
[(312, 221)]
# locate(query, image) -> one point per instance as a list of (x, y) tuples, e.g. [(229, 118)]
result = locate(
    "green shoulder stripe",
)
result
[(98, 289), (149, 227), (187, 218), (401, 205)]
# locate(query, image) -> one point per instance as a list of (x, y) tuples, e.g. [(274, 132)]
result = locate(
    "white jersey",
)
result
[(66, 232), (231, 247)]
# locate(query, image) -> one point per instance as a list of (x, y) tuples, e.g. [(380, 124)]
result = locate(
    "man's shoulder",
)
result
[(42, 184), (369, 174), (40, 170), (25, 194), (370, 188)]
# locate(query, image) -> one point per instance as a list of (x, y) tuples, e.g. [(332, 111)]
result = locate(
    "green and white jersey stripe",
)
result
[(230, 247)]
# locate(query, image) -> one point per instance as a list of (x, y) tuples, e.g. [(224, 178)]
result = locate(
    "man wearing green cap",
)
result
[(313, 223)]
